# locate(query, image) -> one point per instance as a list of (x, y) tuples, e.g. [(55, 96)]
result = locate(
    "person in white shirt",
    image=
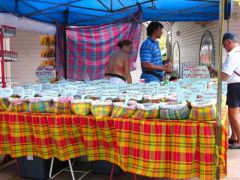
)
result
[(231, 74)]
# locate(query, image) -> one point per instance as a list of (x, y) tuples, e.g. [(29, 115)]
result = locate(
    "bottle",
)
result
[(166, 79), (142, 81)]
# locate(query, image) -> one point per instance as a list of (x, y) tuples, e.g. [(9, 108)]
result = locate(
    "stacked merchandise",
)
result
[(190, 99), (6, 55), (46, 71), (49, 42)]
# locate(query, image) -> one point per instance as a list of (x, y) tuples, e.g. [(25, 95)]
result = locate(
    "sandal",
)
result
[(234, 146), (231, 141)]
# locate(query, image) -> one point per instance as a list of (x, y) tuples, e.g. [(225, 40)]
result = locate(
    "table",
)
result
[(155, 148)]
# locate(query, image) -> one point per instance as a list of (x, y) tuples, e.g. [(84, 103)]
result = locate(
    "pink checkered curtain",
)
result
[(89, 48), (60, 50)]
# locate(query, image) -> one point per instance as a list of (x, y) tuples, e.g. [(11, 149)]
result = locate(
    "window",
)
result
[(176, 59), (207, 52)]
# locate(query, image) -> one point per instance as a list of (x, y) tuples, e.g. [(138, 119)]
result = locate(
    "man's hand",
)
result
[(168, 68), (170, 60), (210, 68)]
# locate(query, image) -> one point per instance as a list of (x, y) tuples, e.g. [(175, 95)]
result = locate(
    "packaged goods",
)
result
[(81, 107), (39, 105), (174, 110), (101, 109), (61, 105), (146, 111), (4, 104), (17, 105), (122, 110), (203, 111)]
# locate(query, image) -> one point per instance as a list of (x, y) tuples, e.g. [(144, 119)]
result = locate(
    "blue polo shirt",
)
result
[(150, 53)]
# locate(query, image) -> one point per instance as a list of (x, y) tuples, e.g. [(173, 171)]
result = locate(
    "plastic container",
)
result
[(37, 168)]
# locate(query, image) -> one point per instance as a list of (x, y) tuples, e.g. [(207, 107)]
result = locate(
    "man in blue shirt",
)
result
[(150, 55)]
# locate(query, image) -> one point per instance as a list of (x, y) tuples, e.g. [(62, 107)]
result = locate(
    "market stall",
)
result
[(143, 128), (118, 140)]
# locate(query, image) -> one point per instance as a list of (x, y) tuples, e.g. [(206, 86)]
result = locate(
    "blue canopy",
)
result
[(95, 12)]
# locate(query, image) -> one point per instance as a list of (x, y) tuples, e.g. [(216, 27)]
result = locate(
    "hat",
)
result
[(229, 35)]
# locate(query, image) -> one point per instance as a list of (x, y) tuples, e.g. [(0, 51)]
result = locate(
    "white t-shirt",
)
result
[(231, 64)]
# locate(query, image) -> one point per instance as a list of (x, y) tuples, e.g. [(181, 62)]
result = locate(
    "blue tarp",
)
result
[(96, 12)]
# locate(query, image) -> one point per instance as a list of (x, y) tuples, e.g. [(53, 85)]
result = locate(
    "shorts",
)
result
[(233, 95), (116, 80)]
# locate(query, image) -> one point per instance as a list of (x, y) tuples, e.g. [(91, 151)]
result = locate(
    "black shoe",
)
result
[(231, 141), (234, 146)]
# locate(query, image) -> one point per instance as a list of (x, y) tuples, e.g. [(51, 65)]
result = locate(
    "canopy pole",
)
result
[(16, 6), (219, 92), (66, 14), (100, 2), (111, 5)]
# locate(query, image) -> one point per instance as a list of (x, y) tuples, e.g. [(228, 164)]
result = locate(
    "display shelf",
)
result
[(46, 71), (5, 55), (8, 31), (9, 56)]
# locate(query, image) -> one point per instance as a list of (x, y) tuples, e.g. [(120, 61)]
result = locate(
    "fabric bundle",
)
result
[(17, 105), (176, 111), (101, 109), (39, 105), (61, 105), (81, 107), (146, 111), (203, 111), (4, 104), (122, 110)]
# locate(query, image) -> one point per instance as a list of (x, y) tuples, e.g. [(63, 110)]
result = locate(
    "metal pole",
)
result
[(2, 62), (219, 92), (111, 5), (66, 14)]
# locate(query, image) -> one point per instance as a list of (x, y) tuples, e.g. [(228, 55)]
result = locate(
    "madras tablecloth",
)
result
[(155, 148)]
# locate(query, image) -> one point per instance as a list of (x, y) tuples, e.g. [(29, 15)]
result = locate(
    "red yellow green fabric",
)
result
[(39, 107), (118, 112), (80, 108), (100, 112), (15, 107), (203, 113), (61, 108), (4, 104), (172, 149)]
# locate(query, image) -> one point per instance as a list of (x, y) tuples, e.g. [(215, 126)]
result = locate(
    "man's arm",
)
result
[(146, 56), (215, 73), (149, 66)]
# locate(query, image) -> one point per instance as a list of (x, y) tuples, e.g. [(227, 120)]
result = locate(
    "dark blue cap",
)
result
[(230, 36)]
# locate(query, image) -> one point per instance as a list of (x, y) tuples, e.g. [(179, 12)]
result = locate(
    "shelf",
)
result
[(9, 60), (6, 56), (8, 31), (9, 55)]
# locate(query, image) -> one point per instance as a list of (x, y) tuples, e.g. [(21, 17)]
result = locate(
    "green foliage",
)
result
[(164, 57), (162, 41)]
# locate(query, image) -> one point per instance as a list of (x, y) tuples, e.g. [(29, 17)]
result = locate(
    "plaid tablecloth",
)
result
[(155, 148)]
